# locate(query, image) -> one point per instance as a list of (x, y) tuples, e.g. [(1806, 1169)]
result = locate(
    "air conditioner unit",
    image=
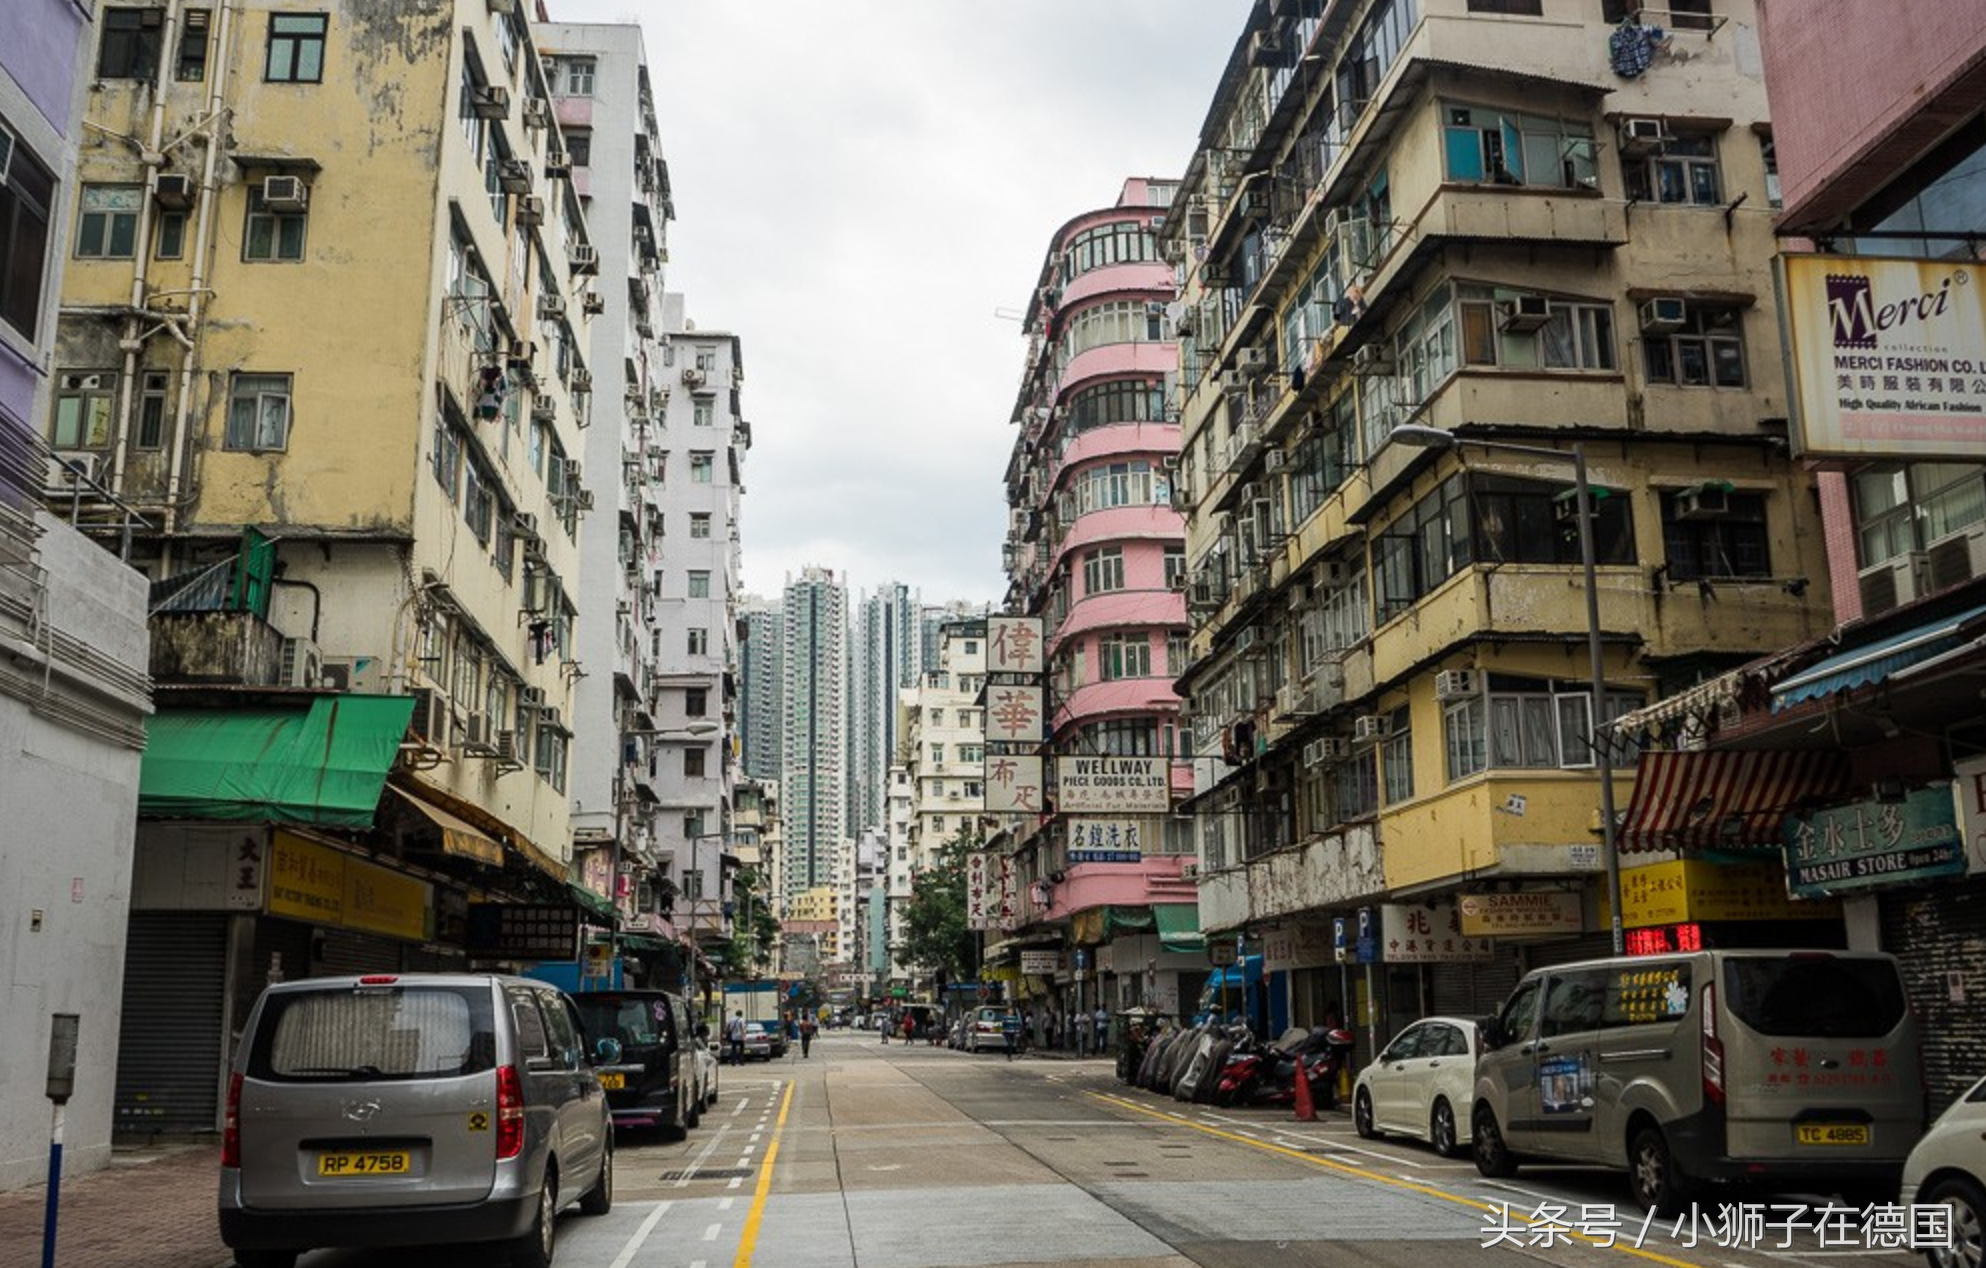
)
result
[(1265, 48), (530, 212), (557, 164), (478, 737), (1893, 583), (174, 191), (1334, 748), (1665, 314), (692, 377), (303, 664), (584, 257), (1179, 581), (1189, 871), (1252, 361), (592, 303), (1524, 314), (583, 500), (524, 524), (1704, 502), (1201, 592), (582, 382), (285, 194), (544, 409), (514, 175), (1370, 728), (537, 112), (551, 304), (489, 101), (1185, 323), (1457, 684), (1333, 573), (69, 469), (1955, 560), (506, 748), (531, 697), (1643, 136), (430, 722), (1273, 460), (1373, 361)]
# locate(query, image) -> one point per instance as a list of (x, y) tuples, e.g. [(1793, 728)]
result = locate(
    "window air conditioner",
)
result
[(557, 164), (1456, 684), (1704, 502), (523, 524), (1333, 573), (506, 748), (514, 175), (1524, 314), (537, 112), (551, 304), (1373, 361), (1643, 136), (1334, 748), (592, 303), (477, 736), (1189, 871), (1955, 560), (531, 697), (285, 194), (1254, 361), (582, 380), (1370, 728), (174, 191), (585, 257), (1893, 583), (692, 377), (1273, 460), (530, 212), (303, 664), (430, 722), (489, 101), (1665, 314)]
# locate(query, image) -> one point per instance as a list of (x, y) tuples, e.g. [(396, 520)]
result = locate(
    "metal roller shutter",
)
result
[(1939, 940), (1587, 946), (340, 952), (1473, 990), (170, 1041)]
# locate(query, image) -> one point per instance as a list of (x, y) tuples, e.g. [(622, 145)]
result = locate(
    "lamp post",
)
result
[(1421, 437), (693, 731)]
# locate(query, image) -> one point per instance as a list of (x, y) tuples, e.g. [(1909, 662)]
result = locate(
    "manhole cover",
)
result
[(707, 1173)]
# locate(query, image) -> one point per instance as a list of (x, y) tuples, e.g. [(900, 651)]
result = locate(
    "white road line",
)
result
[(696, 1263), (737, 1182), (634, 1243), (742, 1103), (1529, 1193), (710, 1234), (724, 1204)]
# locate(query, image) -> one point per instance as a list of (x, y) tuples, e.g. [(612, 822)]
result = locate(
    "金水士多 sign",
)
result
[(1869, 844)]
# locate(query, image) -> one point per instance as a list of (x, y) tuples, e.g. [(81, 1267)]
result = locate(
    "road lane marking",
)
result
[(741, 1106), (634, 1243), (734, 1182), (710, 1234), (750, 1237), (1380, 1177)]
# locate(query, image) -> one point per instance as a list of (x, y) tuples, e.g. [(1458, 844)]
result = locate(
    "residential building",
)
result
[(900, 873), (1097, 552), (1411, 220), (323, 361), (1861, 751), (884, 659), (73, 687), (813, 720), (761, 648)]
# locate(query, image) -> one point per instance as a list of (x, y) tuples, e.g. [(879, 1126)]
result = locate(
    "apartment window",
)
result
[(191, 66), (695, 701), (1355, 789), (1769, 156), (702, 412), (107, 229), (693, 759), (1732, 544), (699, 584), (1691, 15), (1524, 522), (1527, 724), (1103, 570), (447, 465), (1176, 654), (296, 48), (83, 404), (703, 467), (1503, 147), (552, 757), (1175, 566), (1125, 737), (1708, 350), (479, 500), (1899, 509), (937, 754), (579, 147), (26, 197), (169, 241), (271, 235), (1396, 760), (706, 360), (699, 524), (259, 412), (1421, 548), (1682, 172), (1522, 8), (152, 410), (1116, 402), (579, 72), (1124, 656), (1467, 752), (699, 641), (130, 45)]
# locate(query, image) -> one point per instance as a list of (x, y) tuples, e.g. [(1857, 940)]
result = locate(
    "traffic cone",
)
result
[(1306, 1109)]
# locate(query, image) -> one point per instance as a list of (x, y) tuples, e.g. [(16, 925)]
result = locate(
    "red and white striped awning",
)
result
[(1689, 801)]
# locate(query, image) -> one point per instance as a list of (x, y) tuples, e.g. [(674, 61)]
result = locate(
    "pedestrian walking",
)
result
[(909, 1026), (1102, 1020), (734, 1037), (806, 1036), (1010, 1032)]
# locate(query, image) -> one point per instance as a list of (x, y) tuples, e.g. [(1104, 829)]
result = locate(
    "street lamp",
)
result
[(1422, 437)]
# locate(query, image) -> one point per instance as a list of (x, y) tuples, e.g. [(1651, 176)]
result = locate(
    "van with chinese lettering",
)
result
[(1790, 1070)]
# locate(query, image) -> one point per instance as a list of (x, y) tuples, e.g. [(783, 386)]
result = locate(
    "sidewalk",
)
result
[(150, 1208)]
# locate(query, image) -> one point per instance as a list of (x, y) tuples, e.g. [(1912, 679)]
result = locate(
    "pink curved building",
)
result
[(1098, 552)]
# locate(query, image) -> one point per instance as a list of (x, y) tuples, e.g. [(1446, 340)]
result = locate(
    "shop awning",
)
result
[(1732, 799), (1873, 662), (1007, 946), (324, 766), (1179, 926), (458, 836), (593, 904)]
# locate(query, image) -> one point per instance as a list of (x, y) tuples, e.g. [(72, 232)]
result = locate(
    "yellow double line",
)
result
[(749, 1241), (1363, 1173)]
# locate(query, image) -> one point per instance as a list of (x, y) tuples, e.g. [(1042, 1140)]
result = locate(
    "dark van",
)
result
[(652, 1082)]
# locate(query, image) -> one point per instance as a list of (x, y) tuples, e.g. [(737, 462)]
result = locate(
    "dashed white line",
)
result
[(710, 1234), (724, 1204), (736, 1182), (742, 1103), (634, 1243), (696, 1263)]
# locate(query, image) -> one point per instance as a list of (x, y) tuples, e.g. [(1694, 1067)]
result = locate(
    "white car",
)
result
[(1420, 1085), (706, 1068), (1948, 1166)]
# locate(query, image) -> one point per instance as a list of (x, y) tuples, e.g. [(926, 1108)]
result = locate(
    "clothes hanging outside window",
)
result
[(1631, 48)]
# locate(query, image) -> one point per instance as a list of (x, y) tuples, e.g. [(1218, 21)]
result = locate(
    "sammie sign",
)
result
[(1889, 356)]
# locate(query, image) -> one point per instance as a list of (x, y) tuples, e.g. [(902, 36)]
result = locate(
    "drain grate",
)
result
[(707, 1173), (1131, 1175), (1123, 1163)]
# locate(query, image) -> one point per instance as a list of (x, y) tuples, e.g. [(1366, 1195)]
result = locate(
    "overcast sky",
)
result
[(859, 185)]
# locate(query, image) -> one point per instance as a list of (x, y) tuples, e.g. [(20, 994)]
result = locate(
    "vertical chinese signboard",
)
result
[(1014, 645), (1014, 715), (979, 899), (1013, 785)]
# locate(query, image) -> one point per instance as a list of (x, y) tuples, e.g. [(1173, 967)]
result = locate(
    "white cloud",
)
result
[(859, 185)]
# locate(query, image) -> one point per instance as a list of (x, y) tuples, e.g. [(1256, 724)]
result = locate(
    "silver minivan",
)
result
[(410, 1109), (1797, 1070)]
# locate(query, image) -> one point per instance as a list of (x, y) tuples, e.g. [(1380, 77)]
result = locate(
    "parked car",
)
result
[(1948, 1166), (409, 1110), (1420, 1085), (961, 1027), (707, 1064), (1683, 1069), (989, 1030), (759, 1040), (653, 1081)]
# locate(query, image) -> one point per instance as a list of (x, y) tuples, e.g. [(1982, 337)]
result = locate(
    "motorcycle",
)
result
[(1267, 1074)]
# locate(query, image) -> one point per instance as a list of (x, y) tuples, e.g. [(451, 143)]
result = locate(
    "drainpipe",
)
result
[(133, 342), (196, 302)]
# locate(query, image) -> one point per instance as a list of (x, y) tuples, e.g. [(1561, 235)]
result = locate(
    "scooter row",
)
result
[(1220, 1064)]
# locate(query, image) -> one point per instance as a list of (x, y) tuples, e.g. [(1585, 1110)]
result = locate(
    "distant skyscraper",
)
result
[(884, 660), (761, 688), (814, 748)]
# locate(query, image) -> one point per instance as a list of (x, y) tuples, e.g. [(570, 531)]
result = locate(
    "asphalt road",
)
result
[(874, 1156)]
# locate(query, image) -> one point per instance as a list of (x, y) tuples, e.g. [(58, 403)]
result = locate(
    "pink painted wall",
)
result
[(1120, 440), (1837, 510), (1152, 358), (1150, 605), (1144, 531), (1842, 73), (1126, 695), (1154, 278), (1154, 879)]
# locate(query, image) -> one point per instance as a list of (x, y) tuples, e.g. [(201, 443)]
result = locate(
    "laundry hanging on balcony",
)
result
[(1631, 48)]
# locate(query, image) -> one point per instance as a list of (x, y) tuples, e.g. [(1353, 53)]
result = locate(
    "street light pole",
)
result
[(1435, 438)]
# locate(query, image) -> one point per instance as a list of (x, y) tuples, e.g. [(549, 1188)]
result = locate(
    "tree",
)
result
[(934, 930), (754, 928)]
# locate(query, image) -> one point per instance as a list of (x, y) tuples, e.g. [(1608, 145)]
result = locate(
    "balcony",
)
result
[(228, 648)]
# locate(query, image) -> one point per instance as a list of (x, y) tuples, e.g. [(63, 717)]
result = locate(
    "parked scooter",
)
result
[(1267, 1074)]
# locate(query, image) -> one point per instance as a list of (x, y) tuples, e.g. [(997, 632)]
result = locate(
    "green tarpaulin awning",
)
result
[(593, 904), (324, 766), (1120, 919), (1179, 926)]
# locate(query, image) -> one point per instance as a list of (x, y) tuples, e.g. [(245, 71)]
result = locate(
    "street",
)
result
[(873, 1156)]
